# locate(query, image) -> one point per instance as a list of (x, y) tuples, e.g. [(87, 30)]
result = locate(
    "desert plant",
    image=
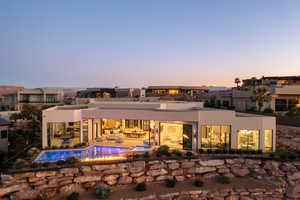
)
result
[(20, 163), (141, 187), (170, 183), (177, 152), (268, 110), (146, 155), (260, 96), (73, 196), (103, 192), (198, 183), (71, 160), (223, 179), (45, 164), (189, 154), (60, 162), (164, 149), (32, 152)]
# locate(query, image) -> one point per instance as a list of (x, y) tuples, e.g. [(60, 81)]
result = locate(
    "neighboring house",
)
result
[(180, 125), (270, 81), (108, 93), (284, 98), (38, 96), (4, 131), (4, 90), (160, 91)]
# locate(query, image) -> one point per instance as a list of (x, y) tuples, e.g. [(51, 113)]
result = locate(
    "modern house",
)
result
[(108, 93), (160, 91), (271, 81), (180, 125), (38, 96)]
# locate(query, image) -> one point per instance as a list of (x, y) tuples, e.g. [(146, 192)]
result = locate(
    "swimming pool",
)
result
[(90, 153)]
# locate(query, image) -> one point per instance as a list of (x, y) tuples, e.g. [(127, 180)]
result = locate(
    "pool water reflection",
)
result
[(90, 153)]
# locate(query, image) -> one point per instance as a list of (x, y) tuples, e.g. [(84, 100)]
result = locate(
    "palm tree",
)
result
[(261, 95), (237, 81)]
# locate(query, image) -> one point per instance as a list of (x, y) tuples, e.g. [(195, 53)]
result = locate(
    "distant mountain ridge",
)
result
[(216, 88)]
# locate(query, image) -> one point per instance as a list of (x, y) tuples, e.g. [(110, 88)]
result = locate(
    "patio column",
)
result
[(156, 133), (194, 136), (81, 131)]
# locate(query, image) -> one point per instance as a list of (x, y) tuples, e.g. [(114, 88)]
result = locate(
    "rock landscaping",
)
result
[(285, 176)]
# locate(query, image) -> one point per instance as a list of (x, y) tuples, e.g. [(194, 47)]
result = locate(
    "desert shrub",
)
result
[(225, 151), (209, 151), (168, 154), (223, 179), (32, 152), (189, 154), (72, 160), (201, 151), (20, 163), (103, 192), (45, 164), (146, 155), (293, 112), (177, 152), (232, 151), (170, 183), (158, 154), (35, 165), (272, 155), (292, 156), (73, 196), (60, 162), (164, 149), (136, 156), (252, 109), (141, 187), (268, 110), (198, 183)]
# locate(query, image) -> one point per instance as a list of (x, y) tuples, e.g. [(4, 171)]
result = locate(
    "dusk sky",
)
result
[(135, 43)]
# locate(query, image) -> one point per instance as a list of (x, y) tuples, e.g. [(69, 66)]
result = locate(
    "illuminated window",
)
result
[(248, 139), (215, 137), (106, 95), (173, 92), (268, 140)]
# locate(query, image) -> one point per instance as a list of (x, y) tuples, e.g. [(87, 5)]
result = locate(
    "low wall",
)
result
[(49, 183)]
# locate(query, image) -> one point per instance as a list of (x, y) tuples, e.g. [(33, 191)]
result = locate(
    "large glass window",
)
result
[(215, 137), (248, 139), (171, 134), (187, 136), (3, 133), (268, 140), (61, 133), (281, 105)]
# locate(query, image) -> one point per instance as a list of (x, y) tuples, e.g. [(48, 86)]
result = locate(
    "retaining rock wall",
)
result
[(286, 175)]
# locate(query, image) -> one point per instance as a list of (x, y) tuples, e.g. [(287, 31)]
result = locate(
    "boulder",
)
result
[(13, 188), (294, 191), (125, 180), (68, 189), (173, 165), (69, 170), (157, 172), (111, 179), (177, 172), (240, 171), (211, 163), (83, 179), (46, 173), (140, 179), (202, 170), (187, 164)]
